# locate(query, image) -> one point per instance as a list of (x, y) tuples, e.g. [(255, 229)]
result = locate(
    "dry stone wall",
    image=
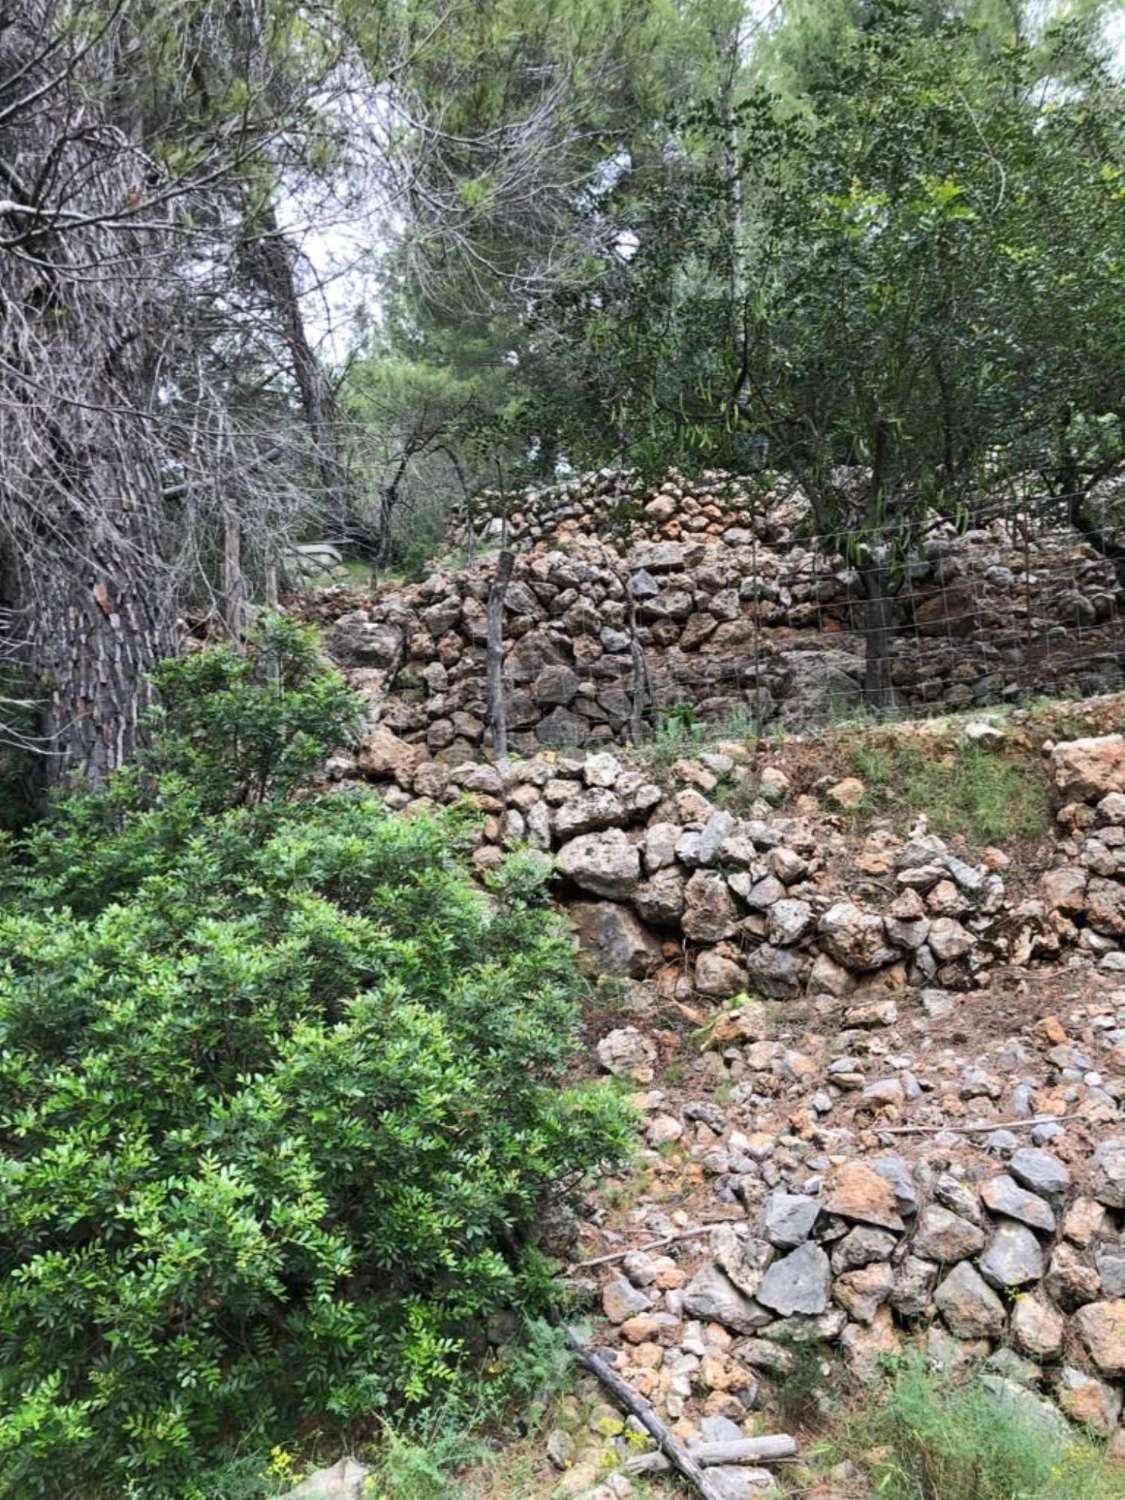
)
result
[(738, 613)]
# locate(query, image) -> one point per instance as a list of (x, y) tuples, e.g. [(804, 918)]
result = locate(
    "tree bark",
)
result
[(102, 619), (234, 589), (494, 653)]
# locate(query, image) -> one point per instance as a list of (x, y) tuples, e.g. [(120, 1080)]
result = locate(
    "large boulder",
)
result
[(612, 940), (605, 863), (384, 757), (710, 914), (854, 938), (1085, 770)]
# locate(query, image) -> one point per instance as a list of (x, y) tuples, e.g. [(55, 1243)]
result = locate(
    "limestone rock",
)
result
[(1013, 1257), (788, 1219), (1003, 1195), (709, 909), (1109, 1165), (1086, 769), (626, 1053), (587, 812), (856, 1191), (345, 1480), (660, 898), (854, 938), (970, 1307), (775, 972), (383, 756), (1037, 1327), (612, 939), (712, 1296), (605, 863), (945, 1237), (1039, 1171), (1101, 1327), (717, 975), (797, 1283)]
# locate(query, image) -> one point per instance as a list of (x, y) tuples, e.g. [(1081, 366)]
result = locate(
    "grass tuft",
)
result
[(927, 1437), (981, 794)]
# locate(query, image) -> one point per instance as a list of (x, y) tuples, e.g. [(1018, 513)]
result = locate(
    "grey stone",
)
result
[(605, 863), (854, 938), (660, 899), (861, 1246), (913, 1290), (345, 1480), (1040, 1414), (712, 1296), (788, 1219), (970, 1307), (789, 920), (709, 910), (587, 812), (1003, 1195), (1039, 1171), (612, 940), (797, 1283), (1110, 1261), (621, 1300), (944, 1236), (775, 972), (1013, 1257), (1109, 1166)]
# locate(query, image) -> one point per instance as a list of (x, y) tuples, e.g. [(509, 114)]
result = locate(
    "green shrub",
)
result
[(282, 1096), (935, 1438)]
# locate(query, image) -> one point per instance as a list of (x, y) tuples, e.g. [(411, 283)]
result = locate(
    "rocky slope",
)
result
[(880, 1077)]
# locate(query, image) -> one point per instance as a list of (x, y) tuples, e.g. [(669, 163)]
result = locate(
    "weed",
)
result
[(800, 1394), (932, 1438), (981, 794)]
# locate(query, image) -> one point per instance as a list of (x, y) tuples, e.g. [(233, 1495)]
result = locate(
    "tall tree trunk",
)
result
[(271, 257), (101, 616), (494, 653), (234, 586)]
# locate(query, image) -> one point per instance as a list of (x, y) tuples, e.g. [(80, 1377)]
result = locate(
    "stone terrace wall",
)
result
[(737, 616)]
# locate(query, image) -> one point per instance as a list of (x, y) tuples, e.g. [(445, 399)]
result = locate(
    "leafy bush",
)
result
[(933, 1438), (281, 1098)]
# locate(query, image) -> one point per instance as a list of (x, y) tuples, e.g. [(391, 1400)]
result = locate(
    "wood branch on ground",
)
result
[(668, 1239), (754, 1450), (678, 1457)]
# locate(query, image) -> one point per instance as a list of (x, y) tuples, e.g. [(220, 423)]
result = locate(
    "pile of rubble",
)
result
[(903, 1149), (736, 614)]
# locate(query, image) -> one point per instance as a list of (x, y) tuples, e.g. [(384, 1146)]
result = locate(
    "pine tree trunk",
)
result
[(102, 620)]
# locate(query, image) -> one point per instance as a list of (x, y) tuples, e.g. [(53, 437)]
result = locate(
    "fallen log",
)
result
[(736, 1451), (626, 1397)]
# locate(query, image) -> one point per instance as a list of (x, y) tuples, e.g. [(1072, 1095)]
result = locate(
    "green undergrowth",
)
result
[(984, 795), (283, 1095), (928, 1437)]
